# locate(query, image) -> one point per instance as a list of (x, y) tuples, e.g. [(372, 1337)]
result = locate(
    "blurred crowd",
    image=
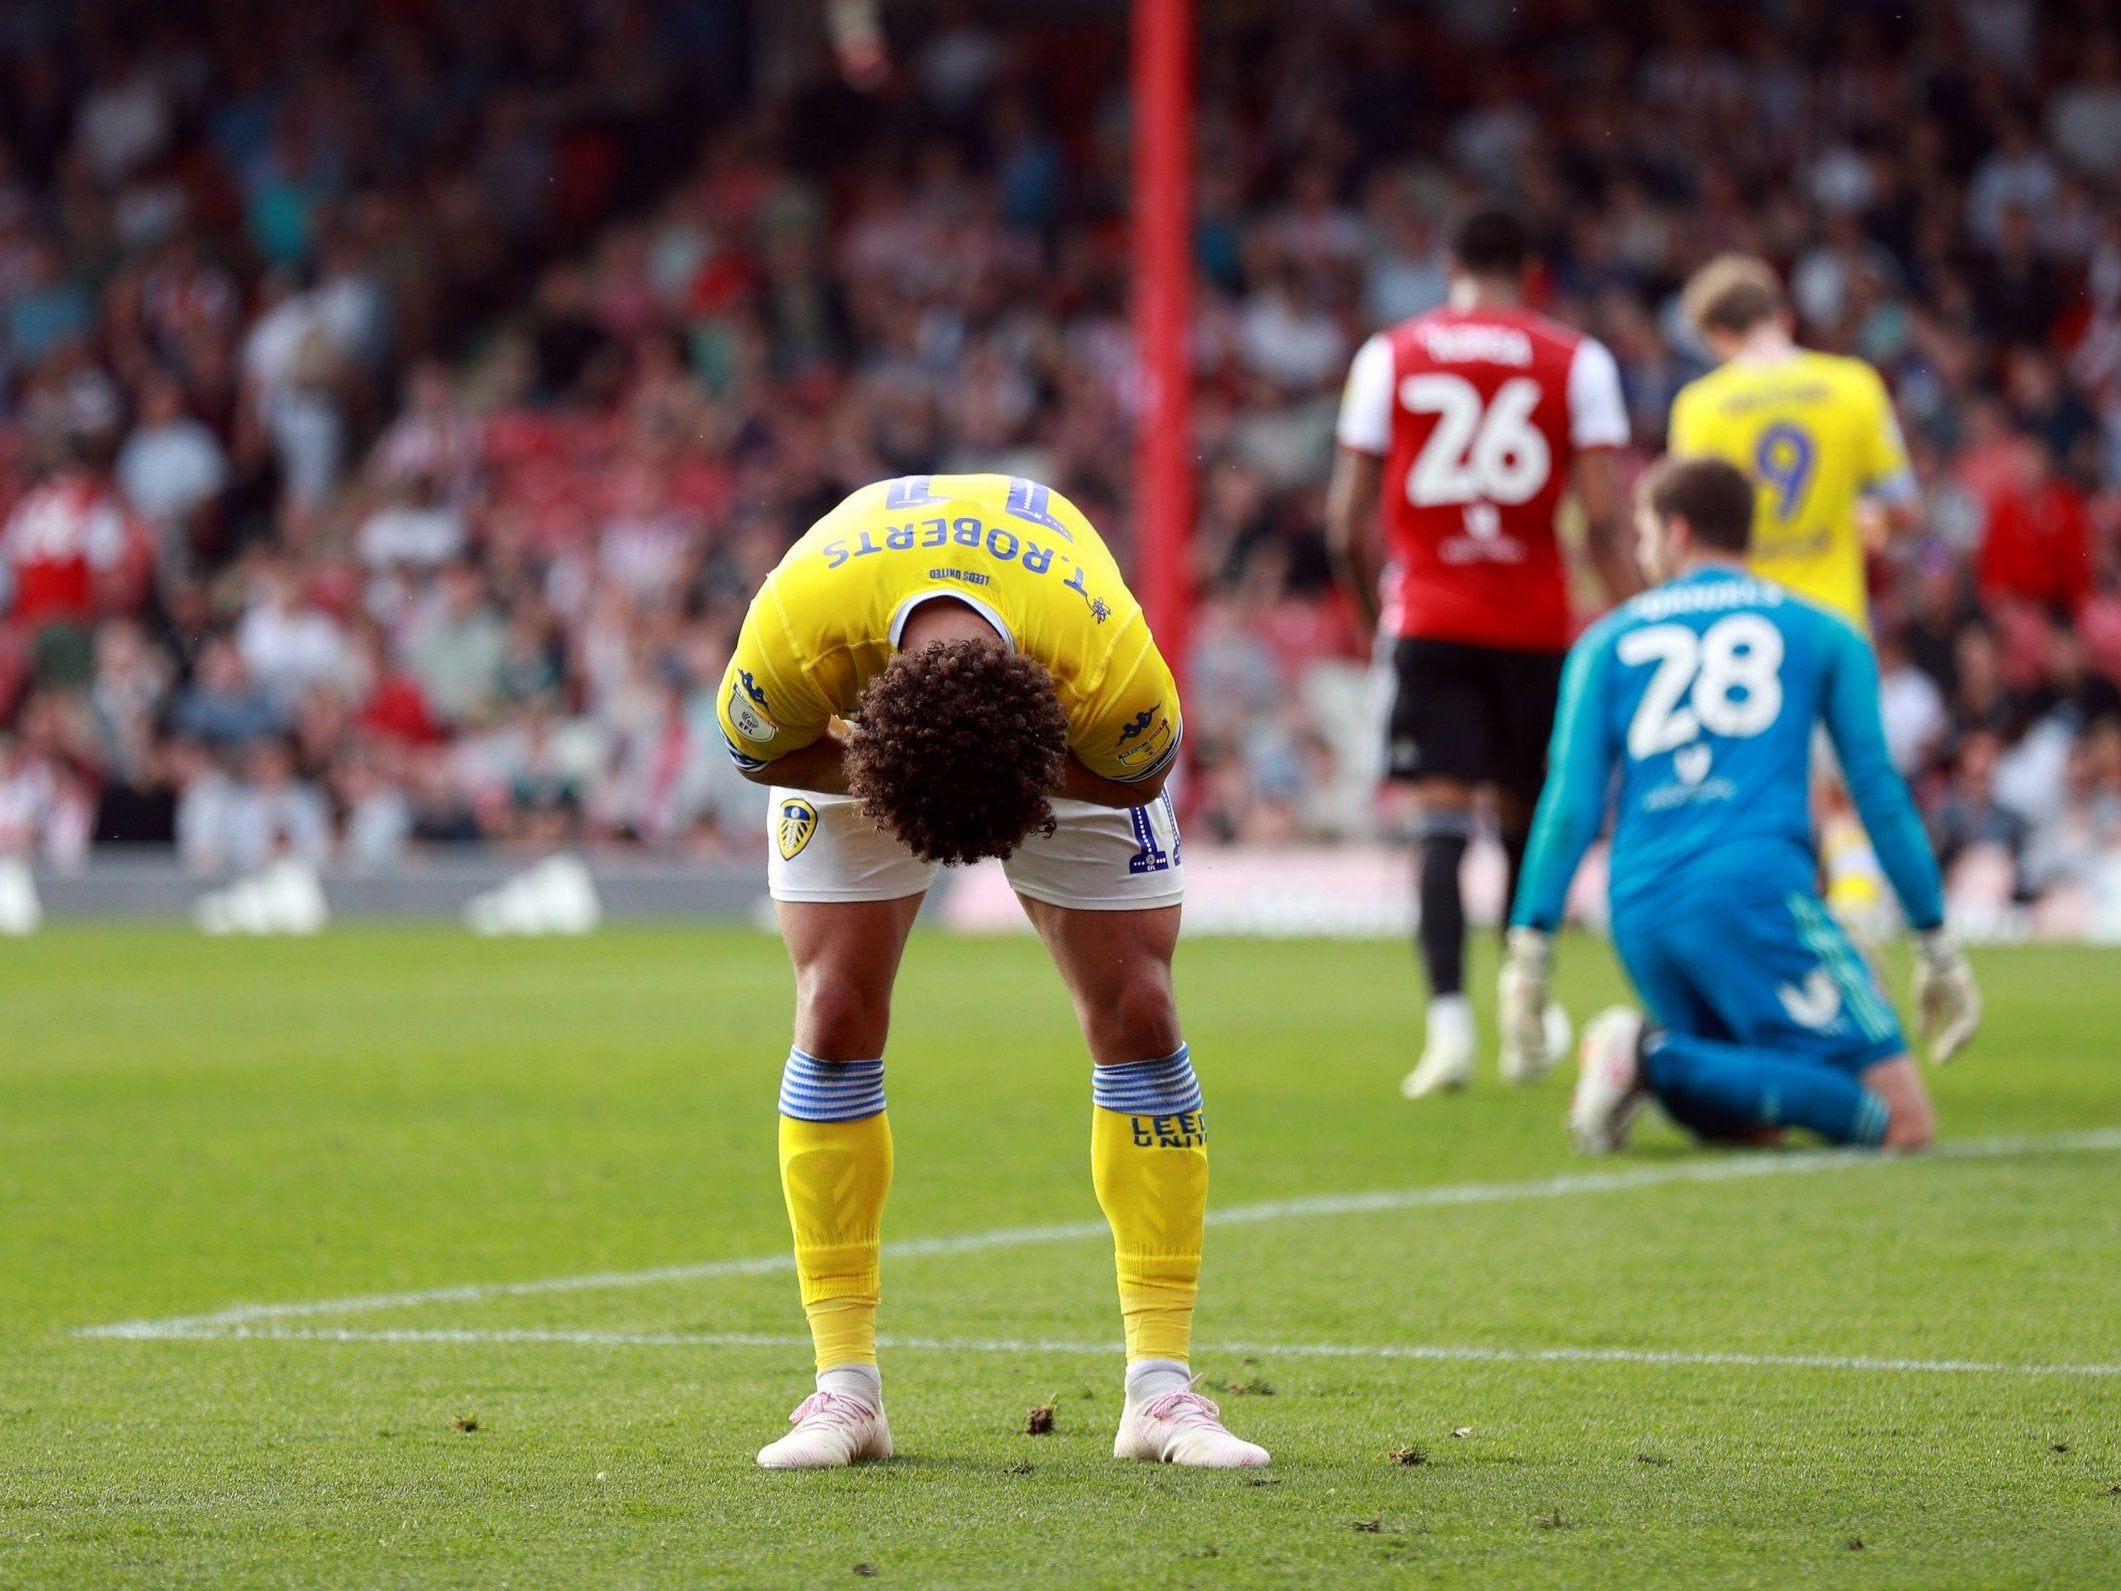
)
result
[(399, 402)]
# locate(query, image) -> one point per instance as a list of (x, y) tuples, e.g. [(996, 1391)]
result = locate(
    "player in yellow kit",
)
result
[(1021, 557), (947, 668), (1817, 434)]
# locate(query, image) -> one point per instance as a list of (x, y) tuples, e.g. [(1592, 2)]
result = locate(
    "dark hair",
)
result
[(1732, 293), (957, 750), (1712, 495), (1491, 243)]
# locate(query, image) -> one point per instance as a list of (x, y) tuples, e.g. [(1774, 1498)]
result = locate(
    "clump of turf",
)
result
[(1039, 1422)]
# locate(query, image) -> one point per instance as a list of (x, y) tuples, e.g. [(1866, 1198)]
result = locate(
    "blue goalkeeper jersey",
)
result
[(1703, 693)]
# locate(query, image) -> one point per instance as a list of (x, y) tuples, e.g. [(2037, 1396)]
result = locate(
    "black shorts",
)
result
[(1480, 714)]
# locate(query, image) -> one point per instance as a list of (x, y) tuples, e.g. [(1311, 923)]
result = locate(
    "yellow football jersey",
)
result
[(828, 618), (1817, 434)]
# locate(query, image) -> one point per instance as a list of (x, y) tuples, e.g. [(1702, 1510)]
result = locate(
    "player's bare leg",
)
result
[(835, 1152), (1442, 832), (1735, 1093), (846, 956), (1117, 966), (1149, 1161), (1911, 1122)]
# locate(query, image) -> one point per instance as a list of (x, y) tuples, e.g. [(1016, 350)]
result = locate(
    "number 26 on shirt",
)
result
[(1477, 452)]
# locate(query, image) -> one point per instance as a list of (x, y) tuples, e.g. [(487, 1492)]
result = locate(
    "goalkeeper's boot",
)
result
[(1183, 1428), (1609, 1082), (832, 1430), (1446, 1063)]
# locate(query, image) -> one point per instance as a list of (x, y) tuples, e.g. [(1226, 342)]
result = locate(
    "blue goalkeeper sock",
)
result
[(1729, 1091)]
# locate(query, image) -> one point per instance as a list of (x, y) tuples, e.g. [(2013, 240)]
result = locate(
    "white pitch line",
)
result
[(1726, 1168), (464, 1336)]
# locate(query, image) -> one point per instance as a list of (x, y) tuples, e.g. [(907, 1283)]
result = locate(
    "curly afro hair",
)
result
[(957, 749)]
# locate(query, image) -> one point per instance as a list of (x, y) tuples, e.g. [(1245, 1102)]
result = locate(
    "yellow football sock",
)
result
[(1149, 1163), (835, 1176)]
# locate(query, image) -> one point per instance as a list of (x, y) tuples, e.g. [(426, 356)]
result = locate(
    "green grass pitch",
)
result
[(187, 1125)]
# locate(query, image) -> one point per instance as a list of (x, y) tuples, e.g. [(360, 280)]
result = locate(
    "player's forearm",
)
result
[(1606, 539), (1551, 860), (820, 767), (1886, 809), (1359, 577), (1880, 522), (1572, 806), (1354, 563), (1570, 812), (1888, 815), (1881, 797), (1079, 783), (1614, 562), (1351, 525)]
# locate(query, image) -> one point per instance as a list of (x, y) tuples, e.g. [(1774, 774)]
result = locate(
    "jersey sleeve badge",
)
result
[(1143, 740), (747, 710)]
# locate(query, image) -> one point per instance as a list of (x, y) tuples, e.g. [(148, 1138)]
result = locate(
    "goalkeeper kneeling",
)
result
[(1694, 704)]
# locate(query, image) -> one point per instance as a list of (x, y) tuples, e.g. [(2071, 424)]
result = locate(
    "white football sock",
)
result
[(1451, 1018), (1150, 1379), (861, 1381)]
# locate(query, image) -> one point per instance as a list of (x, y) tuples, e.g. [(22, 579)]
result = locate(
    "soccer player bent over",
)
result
[(1704, 692), (946, 668)]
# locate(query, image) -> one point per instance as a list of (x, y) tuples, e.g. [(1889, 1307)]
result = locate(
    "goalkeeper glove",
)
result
[(1947, 1003), (1521, 995)]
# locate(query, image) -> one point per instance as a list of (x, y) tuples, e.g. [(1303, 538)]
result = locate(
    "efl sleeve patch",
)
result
[(1134, 726), (1153, 753), (763, 715)]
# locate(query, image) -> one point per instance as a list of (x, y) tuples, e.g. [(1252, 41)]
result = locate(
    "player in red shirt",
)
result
[(1459, 431)]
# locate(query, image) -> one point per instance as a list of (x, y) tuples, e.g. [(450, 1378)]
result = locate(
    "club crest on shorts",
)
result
[(797, 821)]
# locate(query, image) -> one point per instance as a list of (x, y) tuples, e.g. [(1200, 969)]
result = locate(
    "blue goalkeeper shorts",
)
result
[(1771, 971)]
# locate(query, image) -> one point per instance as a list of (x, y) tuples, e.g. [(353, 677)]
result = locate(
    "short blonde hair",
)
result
[(1732, 293)]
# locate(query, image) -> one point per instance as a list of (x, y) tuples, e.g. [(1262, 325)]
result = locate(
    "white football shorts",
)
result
[(821, 848)]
